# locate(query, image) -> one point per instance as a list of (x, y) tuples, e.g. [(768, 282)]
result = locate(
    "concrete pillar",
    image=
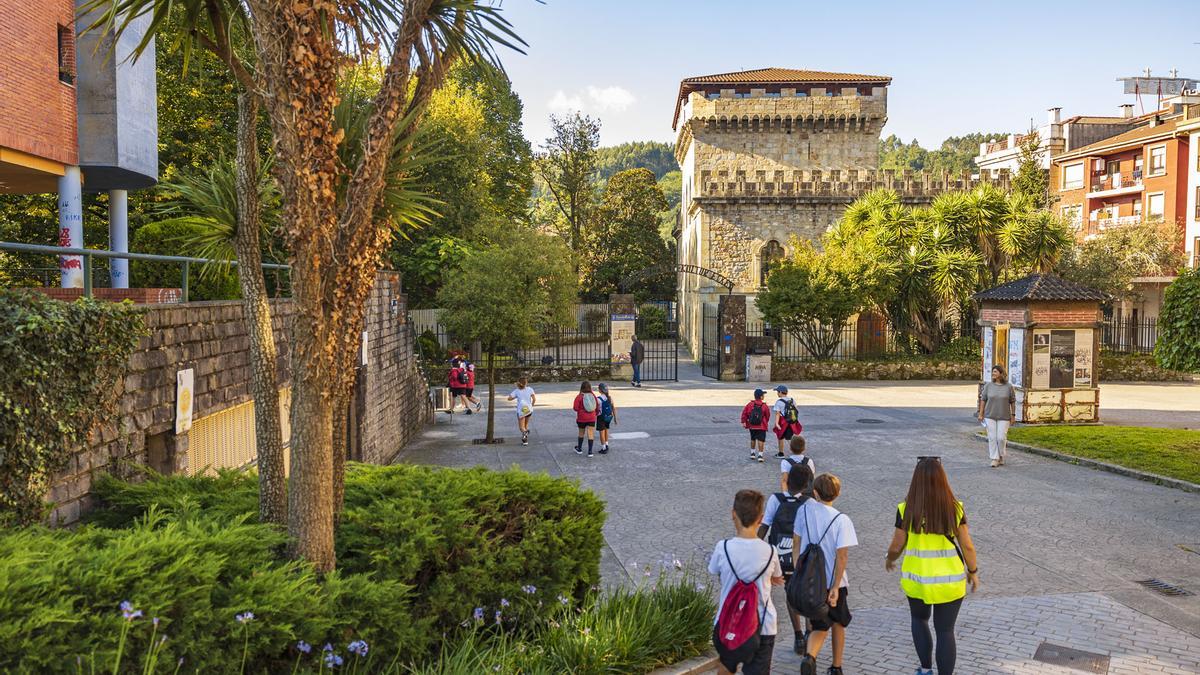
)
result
[(622, 324), (70, 226), (118, 236), (733, 338)]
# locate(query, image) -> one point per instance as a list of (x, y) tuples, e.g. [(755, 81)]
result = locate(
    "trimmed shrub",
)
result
[(169, 237), (63, 364), (962, 348), (456, 539), (653, 322), (1178, 346)]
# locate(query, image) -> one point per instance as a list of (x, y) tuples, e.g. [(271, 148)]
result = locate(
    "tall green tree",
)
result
[(567, 166), (624, 239), (1111, 260), (507, 294), (1031, 179)]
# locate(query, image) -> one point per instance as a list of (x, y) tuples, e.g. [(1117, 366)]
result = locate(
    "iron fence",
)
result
[(868, 338), (1129, 336), (559, 347)]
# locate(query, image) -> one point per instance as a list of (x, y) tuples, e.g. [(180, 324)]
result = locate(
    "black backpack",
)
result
[(790, 413), (756, 413), (792, 460), (783, 526), (808, 590), (463, 376)]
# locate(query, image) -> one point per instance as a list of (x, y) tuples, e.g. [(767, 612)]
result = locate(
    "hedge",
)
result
[(419, 548)]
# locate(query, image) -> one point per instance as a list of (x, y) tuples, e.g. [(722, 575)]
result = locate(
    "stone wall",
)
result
[(788, 371), (1137, 368), (210, 338)]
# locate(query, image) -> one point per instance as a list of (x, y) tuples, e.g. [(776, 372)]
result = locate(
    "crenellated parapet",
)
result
[(837, 185)]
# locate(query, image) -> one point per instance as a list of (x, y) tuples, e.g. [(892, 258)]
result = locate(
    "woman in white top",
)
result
[(997, 408)]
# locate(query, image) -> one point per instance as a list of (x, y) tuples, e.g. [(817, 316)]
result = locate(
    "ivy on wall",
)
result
[(1178, 346), (60, 366)]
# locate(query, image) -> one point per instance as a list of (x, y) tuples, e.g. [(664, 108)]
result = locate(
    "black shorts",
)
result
[(584, 425), (468, 391), (455, 391), (787, 433), (759, 435), (601, 425), (756, 662), (839, 614)]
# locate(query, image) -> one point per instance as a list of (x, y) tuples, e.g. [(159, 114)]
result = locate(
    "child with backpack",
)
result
[(745, 626), (469, 392), (798, 447), (607, 416), (525, 398), (779, 526), (787, 418), (756, 417), (819, 586), (587, 409), (453, 384)]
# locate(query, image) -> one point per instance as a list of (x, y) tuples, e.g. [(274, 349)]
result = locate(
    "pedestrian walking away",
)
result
[(939, 562), (453, 383), (799, 448), (525, 398), (470, 391), (745, 625), (823, 527), (607, 416), (637, 354), (756, 417), (787, 418), (997, 408), (778, 526), (587, 409)]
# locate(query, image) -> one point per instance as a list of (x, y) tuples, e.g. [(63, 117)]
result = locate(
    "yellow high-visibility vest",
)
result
[(932, 570)]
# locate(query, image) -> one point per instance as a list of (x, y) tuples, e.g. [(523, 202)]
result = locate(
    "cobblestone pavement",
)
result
[(1061, 546)]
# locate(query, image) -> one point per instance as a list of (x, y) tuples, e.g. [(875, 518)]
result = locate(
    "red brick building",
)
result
[(37, 97)]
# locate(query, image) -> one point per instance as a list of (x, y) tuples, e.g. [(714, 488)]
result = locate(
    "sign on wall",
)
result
[(184, 399), (1041, 360), (1016, 357), (988, 337), (1062, 359), (1083, 357), (621, 331)]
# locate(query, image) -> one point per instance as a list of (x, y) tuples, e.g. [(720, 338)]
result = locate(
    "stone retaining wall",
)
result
[(875, 370), (1138, 368)]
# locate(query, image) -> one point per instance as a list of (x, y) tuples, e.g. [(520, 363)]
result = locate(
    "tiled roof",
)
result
[(1133, 137), (782, 76), (1041, 287)]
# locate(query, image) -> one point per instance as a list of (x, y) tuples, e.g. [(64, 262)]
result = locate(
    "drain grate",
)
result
[(869, 420), (1077, 659), (1163, 588)]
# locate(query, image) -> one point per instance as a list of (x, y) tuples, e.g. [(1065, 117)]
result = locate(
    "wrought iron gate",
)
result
[(710, 341), (661, 340)]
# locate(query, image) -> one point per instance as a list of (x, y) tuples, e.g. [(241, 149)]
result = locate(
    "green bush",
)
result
[(595, 320), (962, 348), (653, 320), (168, 237), (63, 362), (1178, 346), (460, 539), (429, 347)]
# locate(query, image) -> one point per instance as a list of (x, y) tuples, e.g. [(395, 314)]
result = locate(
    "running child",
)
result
[(818, 522), (748, 567), (787, 418), (798, 457), (756, 417), (525, 398), (587, 408), (607, 416)]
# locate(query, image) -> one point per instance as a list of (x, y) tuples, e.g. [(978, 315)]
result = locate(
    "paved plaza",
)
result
[(1061, 546)]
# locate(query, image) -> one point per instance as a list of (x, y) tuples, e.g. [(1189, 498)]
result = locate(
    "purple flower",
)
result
[(129, 612), (478, 614), (327, 648), (333, 660), (531, 589), (154, 621), (498, 617), (504, 602), (245, 617), (562, 599), (303, 647), (358, 648)]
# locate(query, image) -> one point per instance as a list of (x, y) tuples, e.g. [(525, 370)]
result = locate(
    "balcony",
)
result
[(1095, 227), (1115, 184)]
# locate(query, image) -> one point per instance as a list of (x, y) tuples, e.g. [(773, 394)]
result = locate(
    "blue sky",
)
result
[(957, 67)]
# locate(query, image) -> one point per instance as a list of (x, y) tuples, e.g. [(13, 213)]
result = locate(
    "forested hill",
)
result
[(956, 153), (658, 157)]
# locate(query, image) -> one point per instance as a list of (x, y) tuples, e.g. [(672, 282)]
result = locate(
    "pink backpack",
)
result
[(741, 617)]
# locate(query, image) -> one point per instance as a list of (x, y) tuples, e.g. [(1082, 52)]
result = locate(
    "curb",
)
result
[(699, 665), (1102, 466)]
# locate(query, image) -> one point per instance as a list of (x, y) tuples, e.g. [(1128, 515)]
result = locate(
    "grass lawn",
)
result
[(1167, 452)]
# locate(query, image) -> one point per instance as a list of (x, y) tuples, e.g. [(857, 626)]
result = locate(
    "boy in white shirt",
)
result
[(799, 447), (749, 556), (525, 398), (819, 522)]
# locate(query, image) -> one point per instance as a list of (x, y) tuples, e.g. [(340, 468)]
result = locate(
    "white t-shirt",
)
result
[(524, 400), (785, 466), (812, 519), (749, 556)]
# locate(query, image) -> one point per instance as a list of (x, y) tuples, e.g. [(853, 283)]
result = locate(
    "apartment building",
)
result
[(1055, 137), (1190, 126)]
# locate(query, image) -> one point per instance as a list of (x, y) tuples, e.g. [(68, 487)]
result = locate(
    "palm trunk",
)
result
[(310, 499), (491, 425), (272, 493)]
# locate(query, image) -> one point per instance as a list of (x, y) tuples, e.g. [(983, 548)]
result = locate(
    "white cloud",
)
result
[(593, 99)]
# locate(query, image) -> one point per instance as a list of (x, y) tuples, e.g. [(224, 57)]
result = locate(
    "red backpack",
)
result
[(741, 618)]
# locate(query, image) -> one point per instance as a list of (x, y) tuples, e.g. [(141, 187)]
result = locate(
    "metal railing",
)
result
[(559, 347), (87, 254), (1129, 336)]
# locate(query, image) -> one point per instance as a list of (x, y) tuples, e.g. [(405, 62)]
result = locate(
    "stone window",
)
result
[(770, 254)]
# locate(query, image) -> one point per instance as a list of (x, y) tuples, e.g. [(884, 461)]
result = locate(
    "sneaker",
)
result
[(604, 450), (995, 463), (760, 458), (779, 455), (478, 406), (808, 666), (590, 454), (753, 455), (834, 670), (1001, 460), (578, 450), (922, 671), (469, 412)]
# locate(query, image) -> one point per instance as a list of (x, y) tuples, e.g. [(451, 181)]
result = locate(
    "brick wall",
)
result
[(1066, 314), (1013, 314), (36, 109), (211, 339)]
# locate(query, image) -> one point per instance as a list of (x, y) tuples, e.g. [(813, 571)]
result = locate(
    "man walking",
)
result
[(637, 354)]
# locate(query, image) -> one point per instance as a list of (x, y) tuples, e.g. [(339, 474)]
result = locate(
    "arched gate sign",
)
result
[(658, 270)]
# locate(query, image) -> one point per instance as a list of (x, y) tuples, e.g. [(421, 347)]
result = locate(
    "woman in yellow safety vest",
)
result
[(939, 562)]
